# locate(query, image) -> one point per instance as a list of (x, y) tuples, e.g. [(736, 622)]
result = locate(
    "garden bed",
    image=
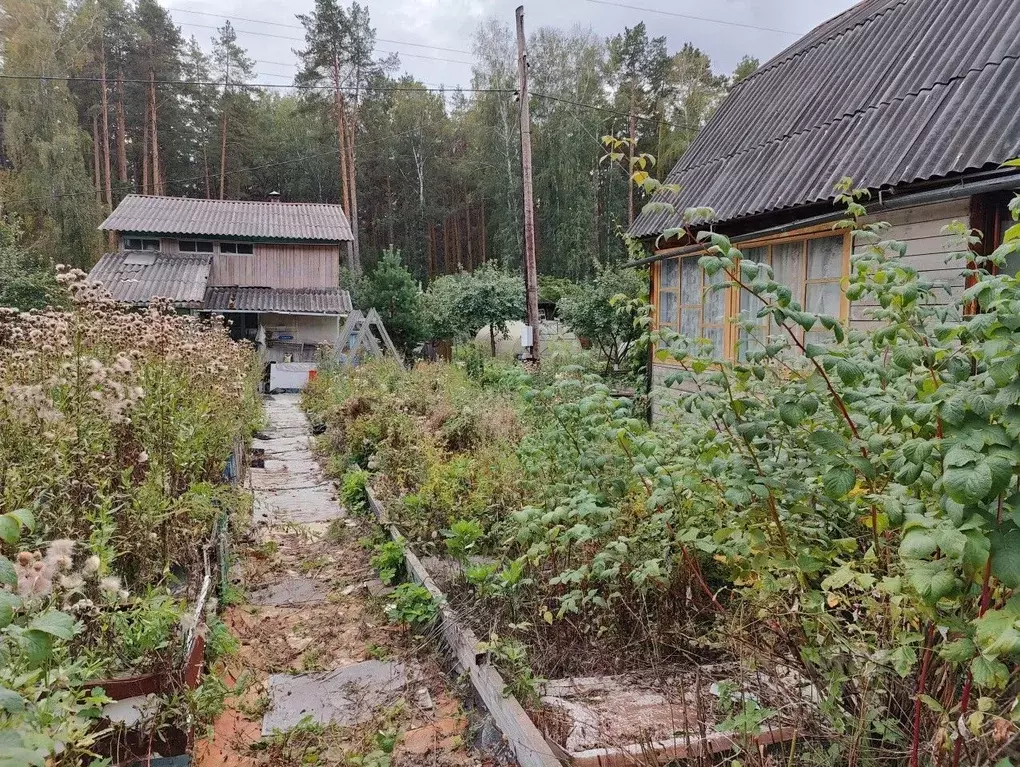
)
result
[(601, 721)]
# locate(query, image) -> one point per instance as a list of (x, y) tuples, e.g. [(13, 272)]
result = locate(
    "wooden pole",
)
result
[(530, 258)]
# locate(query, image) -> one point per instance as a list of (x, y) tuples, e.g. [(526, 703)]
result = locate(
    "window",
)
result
[(687, 304), (195, 246), (237, 248), (137, 243), (811, 267)]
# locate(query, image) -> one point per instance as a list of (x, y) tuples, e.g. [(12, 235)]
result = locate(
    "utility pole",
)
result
[(530, 262)]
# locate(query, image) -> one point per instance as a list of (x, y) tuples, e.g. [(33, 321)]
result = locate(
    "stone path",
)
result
[(321, 677)]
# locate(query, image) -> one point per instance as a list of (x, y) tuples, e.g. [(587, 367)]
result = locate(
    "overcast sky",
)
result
[(450, 24)]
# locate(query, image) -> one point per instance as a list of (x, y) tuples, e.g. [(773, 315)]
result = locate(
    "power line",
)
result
[(298, 26), (695, 18), (301, 40), (217, 83), (678, 126), (248, 169)]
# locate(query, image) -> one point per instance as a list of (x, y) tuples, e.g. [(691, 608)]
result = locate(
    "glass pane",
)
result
[(204, 247), (690, 323), (755, 254), (228, 247), (690, 282), (245, 249), (715, 335), (824, 299), (788, 265), (667, 308), (669, 273), (150, 244), (715, 300), (186, 246), (825, 258)]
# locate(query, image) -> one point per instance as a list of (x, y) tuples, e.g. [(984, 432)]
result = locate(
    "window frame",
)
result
[(731, 299), (196, 243), (125, 242), (236, 245)]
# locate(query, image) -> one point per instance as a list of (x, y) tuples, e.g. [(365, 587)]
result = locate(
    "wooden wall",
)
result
[(921, 228), (280, 266)]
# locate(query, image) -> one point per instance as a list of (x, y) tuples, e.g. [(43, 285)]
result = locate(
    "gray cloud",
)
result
[(451, 24)]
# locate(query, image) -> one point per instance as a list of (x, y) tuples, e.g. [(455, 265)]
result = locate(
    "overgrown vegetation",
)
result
[(837, 511), (115, 428)]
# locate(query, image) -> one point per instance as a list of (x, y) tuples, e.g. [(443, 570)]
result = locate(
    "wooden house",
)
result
[(915, 100), (272, 267)]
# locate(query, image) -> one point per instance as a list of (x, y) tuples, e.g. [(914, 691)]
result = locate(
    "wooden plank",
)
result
[(668, 751), (951, 210), (528, 744)]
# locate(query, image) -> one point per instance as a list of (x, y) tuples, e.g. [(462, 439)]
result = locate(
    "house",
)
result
[(272, 267), (915, 100)]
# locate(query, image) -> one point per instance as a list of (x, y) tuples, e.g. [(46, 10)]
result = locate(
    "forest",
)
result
[(102, 98)]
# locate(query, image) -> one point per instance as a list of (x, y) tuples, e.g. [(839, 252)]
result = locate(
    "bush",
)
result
[(604, 312), (391, 290)]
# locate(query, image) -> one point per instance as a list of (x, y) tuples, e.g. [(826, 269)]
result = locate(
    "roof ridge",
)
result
[(839, 118), (206, 201), (780, 59)]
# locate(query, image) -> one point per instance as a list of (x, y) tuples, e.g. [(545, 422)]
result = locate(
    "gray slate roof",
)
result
[(278, 300), (889, 92), (137, 277), (229, 218)]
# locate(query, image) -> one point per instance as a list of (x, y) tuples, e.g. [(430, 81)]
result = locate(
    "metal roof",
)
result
[(888, 93), (277, 300), (137, 277), (146, 214)]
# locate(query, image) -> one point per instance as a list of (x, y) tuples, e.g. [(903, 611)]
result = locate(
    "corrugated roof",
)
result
[(889, 92), (137, 277), (278, 300), (229, 218)]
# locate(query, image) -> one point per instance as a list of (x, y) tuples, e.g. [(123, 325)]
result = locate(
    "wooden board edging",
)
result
[(528, 744)]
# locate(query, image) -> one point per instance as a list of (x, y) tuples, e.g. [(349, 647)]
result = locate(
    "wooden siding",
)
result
[(280, 266), (921, 228)]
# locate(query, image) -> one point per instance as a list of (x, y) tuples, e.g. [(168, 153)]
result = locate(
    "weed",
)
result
[(413, 606), (388, 561)]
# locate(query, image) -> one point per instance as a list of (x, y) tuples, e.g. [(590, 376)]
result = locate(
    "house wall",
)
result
[(921, 228), (307, 331), (280, 266)]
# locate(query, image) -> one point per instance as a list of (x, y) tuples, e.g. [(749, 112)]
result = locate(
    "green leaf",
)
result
[(1005, 554), (968, 484), (989, 673), (838, 481), (903, 659), (8, 576), (997, 633), (960, 651), (54, 623), (849, 372), (9, 604), (791, 414), (25, 517), (10, 701), (830, 441), (38, 647), (918, 544), (10, 528)]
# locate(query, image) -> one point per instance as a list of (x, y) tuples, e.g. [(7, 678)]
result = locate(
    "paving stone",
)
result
[(302, 505), (293, 590), (345, 696)]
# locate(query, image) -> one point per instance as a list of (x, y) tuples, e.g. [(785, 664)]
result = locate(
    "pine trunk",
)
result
[(484, 233), (146, 171), (223, 154), (122, 165), (96, 175), (157, 175), (630, 168), (104, 104), (352, 170)]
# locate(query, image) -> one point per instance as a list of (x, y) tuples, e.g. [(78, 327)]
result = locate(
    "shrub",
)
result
[(413, 606)]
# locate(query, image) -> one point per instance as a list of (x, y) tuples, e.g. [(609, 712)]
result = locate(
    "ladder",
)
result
[(364, 335)]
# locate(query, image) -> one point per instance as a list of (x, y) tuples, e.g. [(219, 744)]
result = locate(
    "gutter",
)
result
[(886, 201)]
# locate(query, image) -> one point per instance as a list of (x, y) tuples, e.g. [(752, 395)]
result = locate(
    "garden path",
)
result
[(320, 676)]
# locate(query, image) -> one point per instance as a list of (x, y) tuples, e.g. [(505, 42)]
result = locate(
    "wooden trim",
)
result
[(731, 333)]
